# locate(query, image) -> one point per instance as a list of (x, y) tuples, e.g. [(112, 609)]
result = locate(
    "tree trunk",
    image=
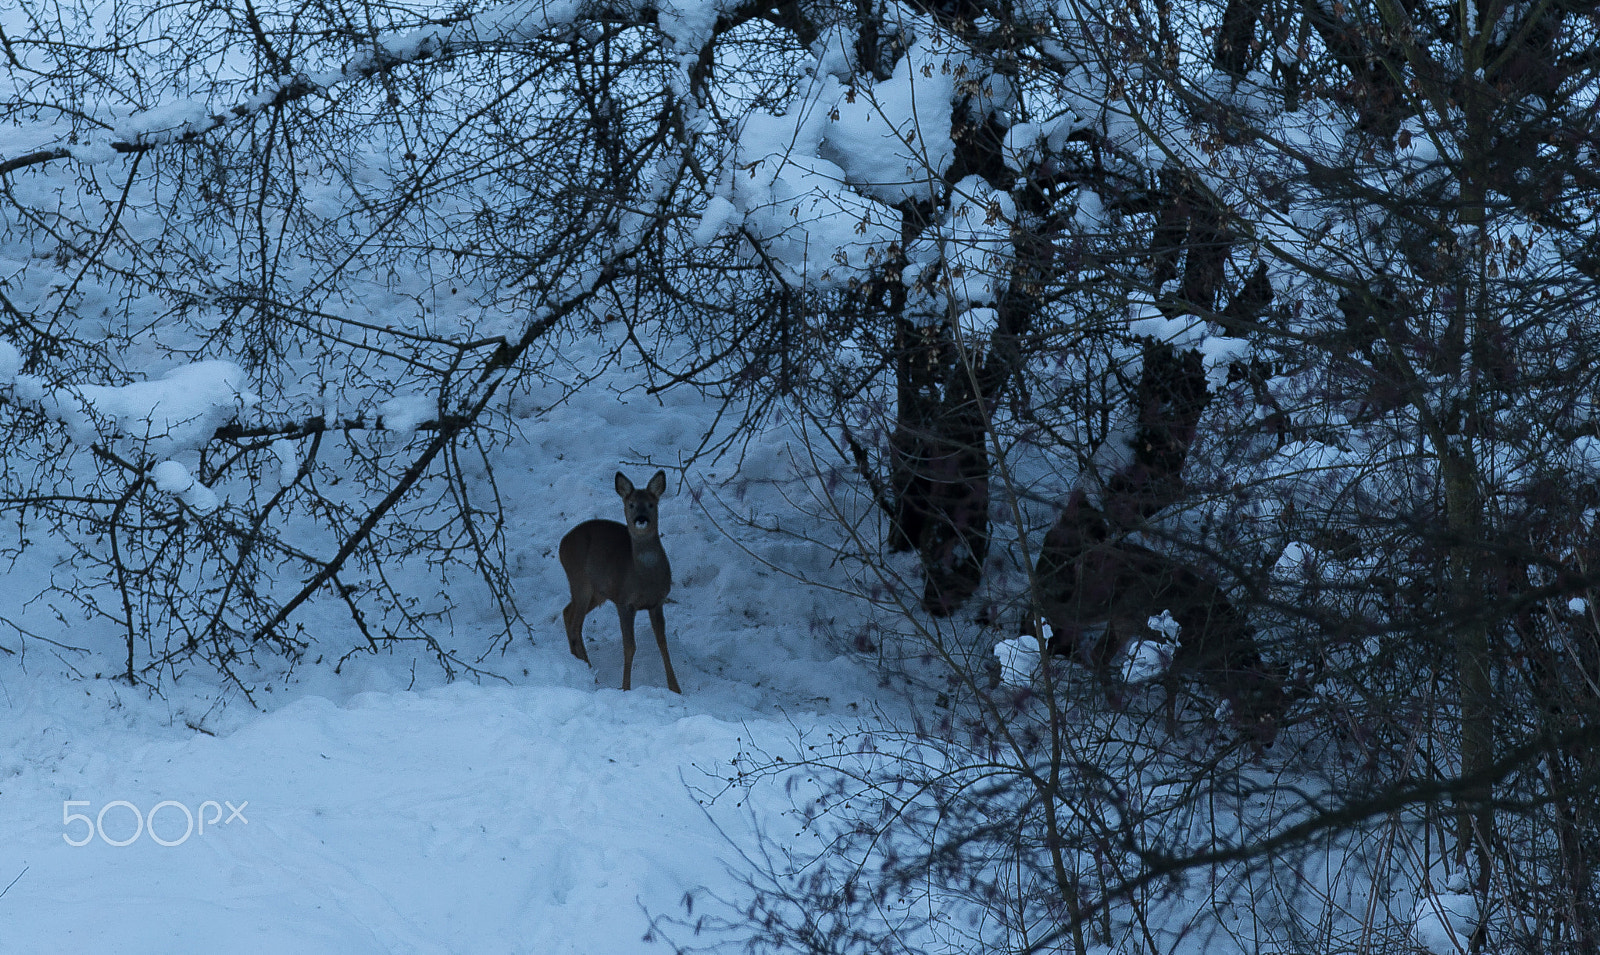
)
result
[(939, 469)]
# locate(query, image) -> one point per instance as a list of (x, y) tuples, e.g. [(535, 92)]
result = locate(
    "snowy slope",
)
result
[(463, 819), (382, 811)]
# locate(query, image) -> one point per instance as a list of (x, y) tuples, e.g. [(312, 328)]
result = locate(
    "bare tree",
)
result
[(1279, 316)]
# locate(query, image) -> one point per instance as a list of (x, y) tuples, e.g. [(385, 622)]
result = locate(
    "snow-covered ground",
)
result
[(463, 819), (384, 810), (374, 806)]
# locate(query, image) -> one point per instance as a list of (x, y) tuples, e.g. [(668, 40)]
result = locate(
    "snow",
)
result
[(973, 241), (1443, 924), (980, 321), (172, 477), (288, 460), (689, 22), (10, 362), (1146, 319), (714, 220), (1019, 659), (797, 204), (1147, 659), (467, 818), (893, 138), (1217, 352), (170, 120), (1089, 213), (381, 810), (403, 413), (1163, 624), (815, 183), (175, 479), (367, 806), (520, 20), (179, 410), (1584, 450)]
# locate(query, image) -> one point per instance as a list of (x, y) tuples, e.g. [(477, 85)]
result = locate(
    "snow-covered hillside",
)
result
[(1133, 477), (381, 810)]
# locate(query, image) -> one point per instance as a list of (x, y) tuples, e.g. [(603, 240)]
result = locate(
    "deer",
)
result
[(622, 563)]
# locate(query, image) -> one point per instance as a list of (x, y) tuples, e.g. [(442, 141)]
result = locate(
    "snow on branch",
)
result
[(190, 120), (179, 411)]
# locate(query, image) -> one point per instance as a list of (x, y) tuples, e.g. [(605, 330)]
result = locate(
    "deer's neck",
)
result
[(649, 556)]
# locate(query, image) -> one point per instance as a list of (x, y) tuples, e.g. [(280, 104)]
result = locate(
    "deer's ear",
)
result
[(658, 484), (624, 486)]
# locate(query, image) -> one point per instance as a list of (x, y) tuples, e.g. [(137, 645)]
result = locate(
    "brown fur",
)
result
[(622, 563)]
